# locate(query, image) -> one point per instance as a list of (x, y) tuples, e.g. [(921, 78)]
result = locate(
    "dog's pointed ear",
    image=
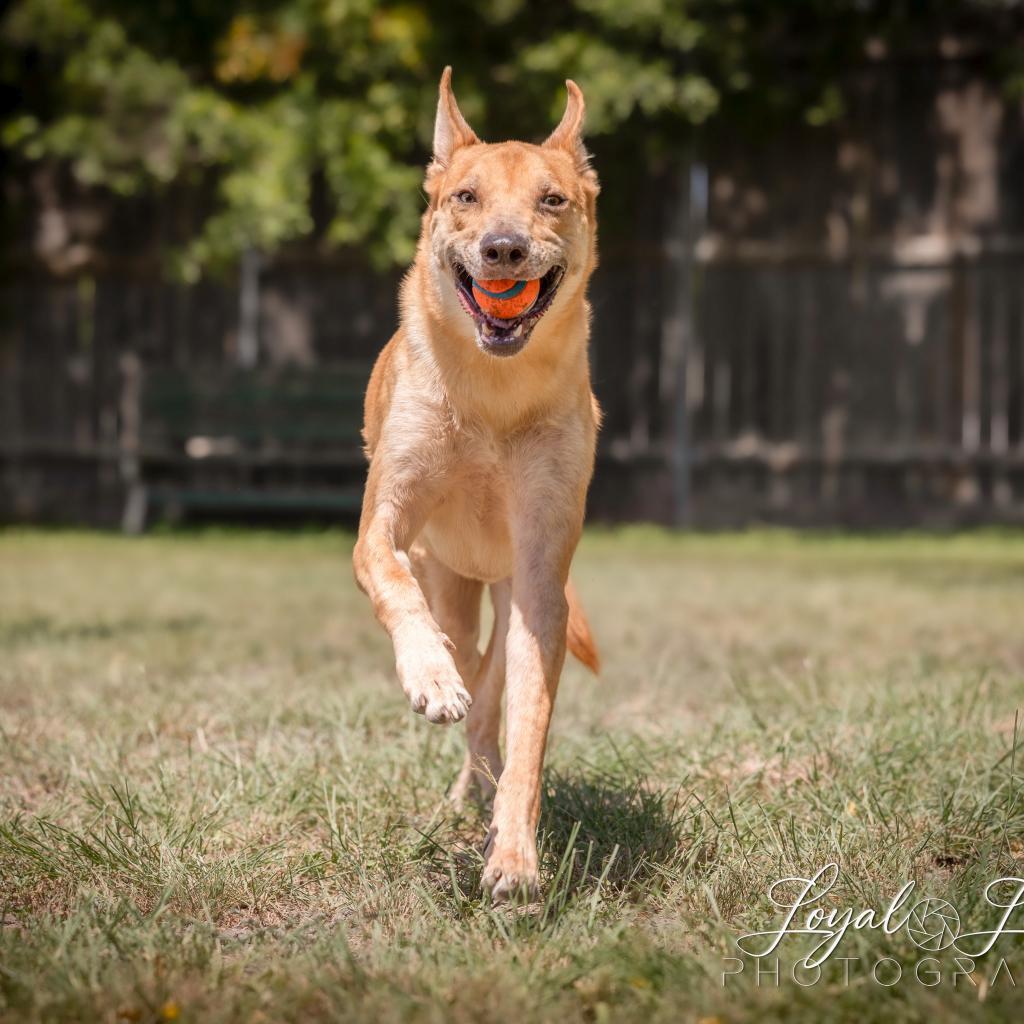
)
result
[(450, 128), (569, 133)]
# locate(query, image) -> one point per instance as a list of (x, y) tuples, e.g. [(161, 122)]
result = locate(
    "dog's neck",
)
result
[(550, 375)]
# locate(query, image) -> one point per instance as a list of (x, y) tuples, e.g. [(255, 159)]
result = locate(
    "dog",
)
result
[(480, 434)]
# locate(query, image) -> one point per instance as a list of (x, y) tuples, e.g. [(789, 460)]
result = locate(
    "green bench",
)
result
[(241, 440)]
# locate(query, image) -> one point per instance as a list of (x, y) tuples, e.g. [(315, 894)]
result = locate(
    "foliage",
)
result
[(314, 116)]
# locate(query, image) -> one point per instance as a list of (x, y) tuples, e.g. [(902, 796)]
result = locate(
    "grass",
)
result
[(214, 804)]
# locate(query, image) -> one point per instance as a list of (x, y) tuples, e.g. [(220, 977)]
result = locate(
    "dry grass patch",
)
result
[(213, 798)]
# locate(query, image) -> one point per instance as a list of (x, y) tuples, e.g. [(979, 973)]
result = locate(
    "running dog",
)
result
[(480, 433)]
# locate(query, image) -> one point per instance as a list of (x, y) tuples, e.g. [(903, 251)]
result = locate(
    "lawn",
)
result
[(215, 804)]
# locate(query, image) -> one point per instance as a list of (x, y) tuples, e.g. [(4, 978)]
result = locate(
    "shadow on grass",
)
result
[(623, 831), (43, 629), (604, 837), (617, 833)]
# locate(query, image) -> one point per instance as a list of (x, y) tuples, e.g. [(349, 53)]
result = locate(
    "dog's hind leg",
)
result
[(454, 603), (483, 765)]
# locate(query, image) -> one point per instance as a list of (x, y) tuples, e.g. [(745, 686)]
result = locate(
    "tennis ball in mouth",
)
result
[(506, 299)]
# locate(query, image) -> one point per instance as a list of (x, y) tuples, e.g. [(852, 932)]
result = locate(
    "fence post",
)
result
[(249, 309), (686, 226), (133, 517)]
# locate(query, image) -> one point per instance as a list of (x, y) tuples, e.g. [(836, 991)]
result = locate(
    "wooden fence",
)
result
[(884, 387)]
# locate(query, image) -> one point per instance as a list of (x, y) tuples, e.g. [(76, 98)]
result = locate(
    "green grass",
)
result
[(215, 805)]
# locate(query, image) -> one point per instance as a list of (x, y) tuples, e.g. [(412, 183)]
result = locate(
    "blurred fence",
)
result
[(886, 388), (882, 389)]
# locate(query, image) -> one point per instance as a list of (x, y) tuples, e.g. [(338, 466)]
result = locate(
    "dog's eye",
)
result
[(464, 196), (554, 201)]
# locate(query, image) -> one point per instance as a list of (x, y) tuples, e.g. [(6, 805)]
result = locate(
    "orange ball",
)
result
[(506, 299)]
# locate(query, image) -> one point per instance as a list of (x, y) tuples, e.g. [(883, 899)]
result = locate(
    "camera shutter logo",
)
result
[(933, 925)]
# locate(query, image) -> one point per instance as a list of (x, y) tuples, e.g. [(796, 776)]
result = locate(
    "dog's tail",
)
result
[(578, 636)]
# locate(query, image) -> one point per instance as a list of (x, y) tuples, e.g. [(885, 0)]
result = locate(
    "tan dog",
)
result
[(480, 434)]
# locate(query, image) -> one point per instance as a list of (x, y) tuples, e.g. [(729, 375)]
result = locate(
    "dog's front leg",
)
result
[(535, 652), (393, 512)]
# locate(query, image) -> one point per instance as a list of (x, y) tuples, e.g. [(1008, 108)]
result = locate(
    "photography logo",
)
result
[(932, 926)]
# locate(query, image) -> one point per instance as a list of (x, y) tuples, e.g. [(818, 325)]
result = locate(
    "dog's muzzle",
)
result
[(505, 337)]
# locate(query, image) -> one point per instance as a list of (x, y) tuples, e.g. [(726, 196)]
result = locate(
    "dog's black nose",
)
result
[(504, 250)]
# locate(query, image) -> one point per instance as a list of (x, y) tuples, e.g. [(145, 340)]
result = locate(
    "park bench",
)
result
[(241, 441)]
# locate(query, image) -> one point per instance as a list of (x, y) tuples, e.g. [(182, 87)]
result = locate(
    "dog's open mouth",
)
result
[(505, 337)]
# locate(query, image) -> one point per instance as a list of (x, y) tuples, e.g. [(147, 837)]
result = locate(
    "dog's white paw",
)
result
[(440, 700), (433, 684)]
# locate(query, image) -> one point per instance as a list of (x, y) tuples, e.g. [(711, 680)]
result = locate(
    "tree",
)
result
[(268, 103)]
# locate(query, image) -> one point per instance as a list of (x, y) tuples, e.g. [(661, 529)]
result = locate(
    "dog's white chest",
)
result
[(469, 529)]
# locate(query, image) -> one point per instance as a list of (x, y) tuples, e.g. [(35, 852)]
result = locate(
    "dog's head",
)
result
[(511, 211)]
